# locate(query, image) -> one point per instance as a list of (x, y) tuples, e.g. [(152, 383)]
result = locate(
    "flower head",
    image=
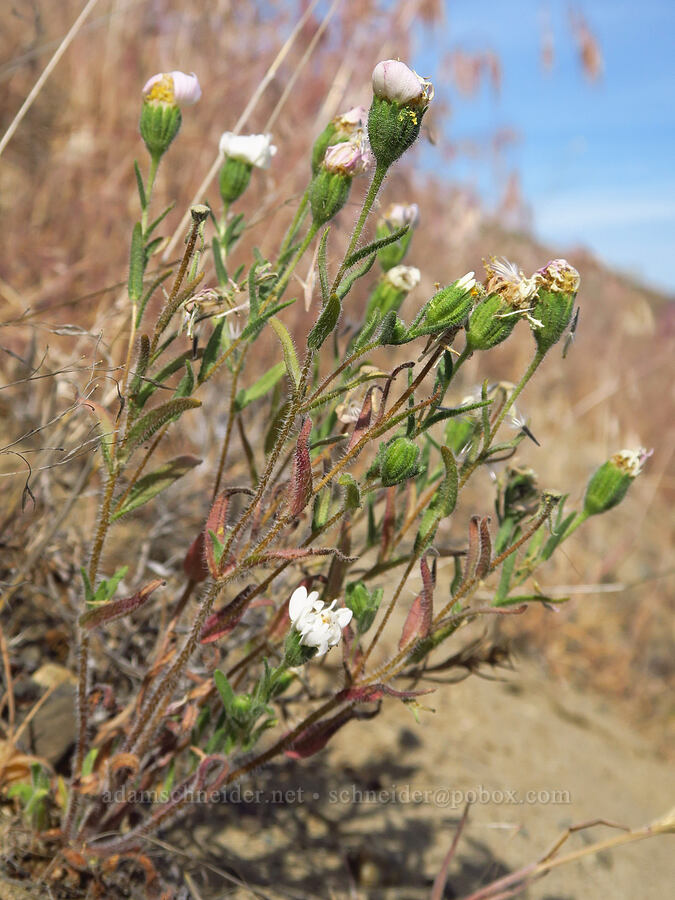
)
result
[(393, 80), (558, 276), (403, 278), (631, 462), (255, 149), (318, 627), (507, 280), (352, 157), (172, 88), (399, 214), (347, 123)]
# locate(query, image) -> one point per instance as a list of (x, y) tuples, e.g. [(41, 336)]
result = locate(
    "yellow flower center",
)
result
[(162, 91)]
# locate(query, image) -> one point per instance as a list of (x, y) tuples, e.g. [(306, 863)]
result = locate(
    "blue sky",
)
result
[(597, 160)]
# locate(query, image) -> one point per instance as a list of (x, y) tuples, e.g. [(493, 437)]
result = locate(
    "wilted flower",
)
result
[(632, 462), (255, 149), (507, 280), (352, 157), (393, 80), (318, 627), (558, 275), (608, 484), (172, 88), (403, 278)]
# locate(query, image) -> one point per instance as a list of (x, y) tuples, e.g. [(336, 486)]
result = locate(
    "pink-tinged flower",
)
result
[(172, 88), (318, 627), (399, 214), (352, 157), (558, 275), (353, 120), (393, 80), (254, 149)]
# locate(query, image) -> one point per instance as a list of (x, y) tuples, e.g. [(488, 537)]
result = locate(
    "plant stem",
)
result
[(375, 186), (285, 278), (154, 165), (531, 369)]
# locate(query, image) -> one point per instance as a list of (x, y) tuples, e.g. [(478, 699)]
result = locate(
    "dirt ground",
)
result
[(538, 756)]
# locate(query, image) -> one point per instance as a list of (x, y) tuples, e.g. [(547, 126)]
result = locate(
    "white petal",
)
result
[(344, 617), (299, 602)]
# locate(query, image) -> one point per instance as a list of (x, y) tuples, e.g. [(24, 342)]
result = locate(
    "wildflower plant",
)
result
[(307, 558)]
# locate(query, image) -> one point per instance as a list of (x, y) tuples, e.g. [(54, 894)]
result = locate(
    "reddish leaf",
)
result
[(295, 553), (194, 564), (115, 609), (225, 620), (473, 550), (300, 487), (315, 738), (363, 421), (215, 523), (370, 692), (418, 623), (485, 555)]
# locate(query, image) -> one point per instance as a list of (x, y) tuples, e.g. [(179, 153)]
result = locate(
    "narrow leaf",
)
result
[(115, 609), (137, 261), (290, 358), (144, 429), (474, 549), (323, 272), (485, 554), (140, 185), (348, 281), (300, 487), (148, 486), (325, 324), (375, 246)]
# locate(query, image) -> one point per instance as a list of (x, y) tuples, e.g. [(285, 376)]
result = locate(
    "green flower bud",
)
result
[(235, 176), (608, 484), (328, 193), (295, 653), (491, 322), (558, 285), (451, 305), (396, 216), (322, 143), (400, 99), (399, 461), (363, 604)]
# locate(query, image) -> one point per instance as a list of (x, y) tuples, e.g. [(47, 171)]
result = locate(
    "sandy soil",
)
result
[(331, 838)]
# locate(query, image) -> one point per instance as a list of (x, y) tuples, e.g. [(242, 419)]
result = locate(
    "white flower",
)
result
[(399, 214), (394, 81), (174, 88), (318, 627), (352, 157), (254, 149), (403, 278)]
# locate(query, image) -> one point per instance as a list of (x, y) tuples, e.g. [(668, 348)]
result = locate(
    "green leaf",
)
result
[(346, 283), (187, 383), (325, 324), (290, 358), (264, 384), (219, 265), (140, 185), (89, 760), (374, 246), (106, 588), (253, 329), (505, 579), (212, 351), (323, 272), (352, 492), (148, 294), (531, 598), (137, 262), (152, 484), (442, 504), (224, 689), (151, 386), (150, 423), (88, 590), (253, 292), (160, 218)]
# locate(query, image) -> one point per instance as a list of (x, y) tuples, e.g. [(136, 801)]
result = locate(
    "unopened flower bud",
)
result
[(255, 149), (451, 305), (351, 157), (491, 322), (163, 95), (558, 283), (608, 484), (399, 461), (400, 99), (328, 193)]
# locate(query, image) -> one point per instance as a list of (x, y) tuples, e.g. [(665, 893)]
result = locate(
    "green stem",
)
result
[(154, 165), (285, 278), (531, 369), (292, 229), (375, 186)]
